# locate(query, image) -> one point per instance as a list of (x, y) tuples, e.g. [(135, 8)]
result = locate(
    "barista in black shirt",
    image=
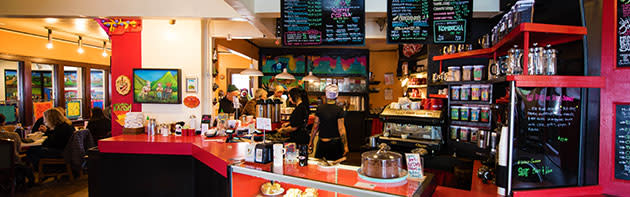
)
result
[(329, 126), (296, 127)]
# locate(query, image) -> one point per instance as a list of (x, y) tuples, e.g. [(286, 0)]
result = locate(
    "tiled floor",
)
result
[(58, 188)]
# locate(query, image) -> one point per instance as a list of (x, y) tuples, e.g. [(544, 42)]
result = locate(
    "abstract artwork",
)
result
[(157, 86), (338, 64)]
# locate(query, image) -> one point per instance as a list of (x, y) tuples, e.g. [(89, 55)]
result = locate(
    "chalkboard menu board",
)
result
[(622, 142), (623, 33), (450, 20), (546, 150), (323, 22), (408, 21)]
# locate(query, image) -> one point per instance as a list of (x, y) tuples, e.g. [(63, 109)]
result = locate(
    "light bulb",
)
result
[(80, 50), (49, 45), (104, 54)]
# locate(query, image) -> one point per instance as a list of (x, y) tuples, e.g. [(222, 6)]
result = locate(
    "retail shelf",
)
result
[(419, 74), (340, 93), (471, 102), (557, 81), (542, 34), (439, 83), (485, 125), (417, 86), (442, 96)]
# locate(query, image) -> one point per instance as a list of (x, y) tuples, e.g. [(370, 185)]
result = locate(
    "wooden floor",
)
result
[(55, 188)]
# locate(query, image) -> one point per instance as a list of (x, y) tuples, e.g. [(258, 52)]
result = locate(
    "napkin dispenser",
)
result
[(263, 153)]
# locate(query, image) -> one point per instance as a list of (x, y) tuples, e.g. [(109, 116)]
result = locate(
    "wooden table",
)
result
[(37, 142)]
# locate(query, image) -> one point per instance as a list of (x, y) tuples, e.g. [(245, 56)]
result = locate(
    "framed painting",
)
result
[(191, 84), (159, 86)]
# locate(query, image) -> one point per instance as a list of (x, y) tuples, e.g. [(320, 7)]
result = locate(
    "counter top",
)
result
[(211, 151), (219, 156)]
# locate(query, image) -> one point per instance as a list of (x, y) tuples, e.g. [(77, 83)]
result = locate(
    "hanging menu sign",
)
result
[(547, 137), (623, 33), (323, 22), (451, 20), (408, 21), (622, 142)]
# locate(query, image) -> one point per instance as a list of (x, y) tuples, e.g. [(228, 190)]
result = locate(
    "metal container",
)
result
[(373, 141), (276, 110), (261, 106), (494, 140), (151, 127), (481, 139), (268, 108)]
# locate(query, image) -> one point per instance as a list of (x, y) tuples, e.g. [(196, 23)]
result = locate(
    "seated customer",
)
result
[(4, 134), (59, 130), (22, 170), (99, 126)]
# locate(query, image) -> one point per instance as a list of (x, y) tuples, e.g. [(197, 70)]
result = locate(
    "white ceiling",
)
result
[(62, 28)]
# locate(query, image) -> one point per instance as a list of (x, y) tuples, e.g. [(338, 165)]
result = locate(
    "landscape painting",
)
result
[(96, 79), (157, 86), (70, 79)]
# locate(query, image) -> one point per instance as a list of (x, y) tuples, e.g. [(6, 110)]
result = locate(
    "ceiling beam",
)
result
[(242, 9)]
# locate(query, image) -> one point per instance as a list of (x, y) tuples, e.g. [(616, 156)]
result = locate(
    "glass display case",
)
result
[(339, 180)]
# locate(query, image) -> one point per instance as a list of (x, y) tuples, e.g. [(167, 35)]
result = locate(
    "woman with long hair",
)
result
[(296, 127), (58, 130), (99, 126)]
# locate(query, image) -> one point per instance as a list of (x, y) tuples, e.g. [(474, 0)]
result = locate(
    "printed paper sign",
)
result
[(414, 166), (263, 124)]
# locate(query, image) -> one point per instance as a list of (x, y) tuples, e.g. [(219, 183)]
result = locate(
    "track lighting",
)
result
[(49, 45), (80, 42)]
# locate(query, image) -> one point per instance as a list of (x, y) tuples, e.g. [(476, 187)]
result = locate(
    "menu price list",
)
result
[(408, 21), (301, 22), (450, 20), (623, 33), (547, 137), (323, 22), (622, 142)]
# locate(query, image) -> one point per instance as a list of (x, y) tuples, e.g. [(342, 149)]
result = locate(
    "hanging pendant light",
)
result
[(285, 75), (80, 43), (251, 71), (49, 45), (104, 49), (310, 77)]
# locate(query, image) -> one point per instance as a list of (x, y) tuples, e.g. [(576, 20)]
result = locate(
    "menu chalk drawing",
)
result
[(408, 21), (451, 20), (622, 142)]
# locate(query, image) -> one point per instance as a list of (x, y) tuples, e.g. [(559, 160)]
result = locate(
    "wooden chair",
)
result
[(7, 164), (57, 175)]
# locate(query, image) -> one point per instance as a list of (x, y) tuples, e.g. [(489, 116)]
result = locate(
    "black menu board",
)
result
[(546, 150), (408, 21), (323, 22), (622, 142), (623, 33), (451, 20)]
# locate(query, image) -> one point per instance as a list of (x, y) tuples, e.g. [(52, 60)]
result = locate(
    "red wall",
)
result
[(616, 91), (126, 55)]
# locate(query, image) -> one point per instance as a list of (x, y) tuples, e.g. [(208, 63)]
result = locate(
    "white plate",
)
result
[(273, 194)]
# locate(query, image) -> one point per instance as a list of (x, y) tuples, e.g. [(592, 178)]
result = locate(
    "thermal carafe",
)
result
[(277, 105), (269, 108), (261, 106)]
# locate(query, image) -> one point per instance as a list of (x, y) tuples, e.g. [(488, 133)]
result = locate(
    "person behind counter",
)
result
[(98, 125), (277, 94), (59, 130), (250, 107), (226, 105), (296, 127), (330, 128)]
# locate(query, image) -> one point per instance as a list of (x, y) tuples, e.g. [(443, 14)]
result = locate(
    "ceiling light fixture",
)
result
[(51, 20), (310, 77), (104, 49), (251, 71), (229, 37), (49, 45), (80, 43), (172, 22), (285, 75)]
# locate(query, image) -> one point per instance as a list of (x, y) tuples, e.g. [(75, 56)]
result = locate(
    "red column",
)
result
[(126, 55)]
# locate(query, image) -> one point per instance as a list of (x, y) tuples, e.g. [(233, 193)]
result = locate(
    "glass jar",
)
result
[(464, 113), (478, 72), (455, 91), (455, 112), (454, 73), (465, 93), (467, 73), (475, 92), (474, 114), (484, 114), (485, 92)]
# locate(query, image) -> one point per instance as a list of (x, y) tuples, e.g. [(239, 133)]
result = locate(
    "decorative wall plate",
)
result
[(123, 85), (191, 101)]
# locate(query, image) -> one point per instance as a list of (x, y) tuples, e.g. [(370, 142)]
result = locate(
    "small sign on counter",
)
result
[(414, 166), (263, 124)]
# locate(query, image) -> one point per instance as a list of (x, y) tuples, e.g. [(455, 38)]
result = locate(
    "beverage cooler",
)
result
[(405, 129)]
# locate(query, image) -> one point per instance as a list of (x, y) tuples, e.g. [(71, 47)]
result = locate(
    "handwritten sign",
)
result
[(322, 22), (263, 124), (450, 20), (408, 21), (414, 166), (622, 142), (623, 33), (547, 137)]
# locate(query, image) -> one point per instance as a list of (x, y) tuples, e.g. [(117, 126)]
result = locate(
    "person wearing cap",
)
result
[(330, 128), (296, 127), (279, 91), (226, 104)]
